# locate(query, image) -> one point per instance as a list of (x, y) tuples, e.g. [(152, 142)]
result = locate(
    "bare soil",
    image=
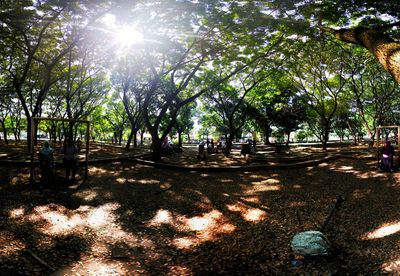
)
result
[(130, 219)]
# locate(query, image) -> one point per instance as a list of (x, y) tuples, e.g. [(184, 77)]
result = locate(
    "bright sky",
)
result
[(123, 35)]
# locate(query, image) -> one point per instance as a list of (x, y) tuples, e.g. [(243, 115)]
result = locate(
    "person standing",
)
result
[(387, 156), (46, 159), (78, 145), (70, 160)]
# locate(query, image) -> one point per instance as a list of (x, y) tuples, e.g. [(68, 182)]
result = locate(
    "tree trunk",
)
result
[(287, 140), (141, 137), (120, 138), (135, 138), (180, 139), (3, 125), (128, 143), (267, 132), (156, 149), (383, 47), (229, 143), (325, 139)]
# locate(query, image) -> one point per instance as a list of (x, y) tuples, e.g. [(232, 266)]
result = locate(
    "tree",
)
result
[(374, 92), (274, 92), (321, 77), (175, 71), (35, 39), (369, 24), (290, 115), (184, 121), (116, 118), (126, 80)]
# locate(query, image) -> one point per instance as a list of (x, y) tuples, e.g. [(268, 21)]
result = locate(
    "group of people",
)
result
[(167, 147), (209, 147), (70, 160)]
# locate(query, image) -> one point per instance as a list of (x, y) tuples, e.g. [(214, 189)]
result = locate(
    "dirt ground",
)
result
[(130, 219)]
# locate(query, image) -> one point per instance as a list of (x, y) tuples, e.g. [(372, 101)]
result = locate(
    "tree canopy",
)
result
[(145, 65)]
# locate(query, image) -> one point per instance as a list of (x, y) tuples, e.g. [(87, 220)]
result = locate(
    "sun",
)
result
[(126, 36)]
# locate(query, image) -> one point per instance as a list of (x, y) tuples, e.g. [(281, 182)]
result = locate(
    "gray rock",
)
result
[(310, 243)]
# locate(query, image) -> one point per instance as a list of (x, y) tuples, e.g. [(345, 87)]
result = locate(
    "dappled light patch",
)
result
[(226, 180), (10, 244), (297, 204), (58, 220), (252, 199), (270, 184), (102, 215), (347, 168), (98, 170), (17, 212), (391, 267), (14, 181), (162, 216), (199, 223), (207, 226), (184, 243), (148, 181), (120, 180), (360, 193), (100, 267), (344, 169), (180, 270), (253, 175), (384, 230), (366, 175), (248, 213), (87, 195), (267, 181)]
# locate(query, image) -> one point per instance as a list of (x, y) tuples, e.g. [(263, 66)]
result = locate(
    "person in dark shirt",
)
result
[(387, 156), (46, 159), (70, 159)]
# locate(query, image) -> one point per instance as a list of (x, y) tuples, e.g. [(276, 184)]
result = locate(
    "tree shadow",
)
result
[(220, 223)]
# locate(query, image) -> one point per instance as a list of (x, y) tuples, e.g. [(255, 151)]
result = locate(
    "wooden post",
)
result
[(398, 137), (87, 149), (32, 149), (378, 136)]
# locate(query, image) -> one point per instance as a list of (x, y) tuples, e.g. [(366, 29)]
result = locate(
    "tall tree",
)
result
[(321, 76), (227, 102), (369, 24), (35, 39)]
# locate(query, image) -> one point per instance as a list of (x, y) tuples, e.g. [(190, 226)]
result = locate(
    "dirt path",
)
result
[(131, 219)]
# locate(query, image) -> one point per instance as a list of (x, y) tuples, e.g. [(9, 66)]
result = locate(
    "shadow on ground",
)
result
[(135, 219)]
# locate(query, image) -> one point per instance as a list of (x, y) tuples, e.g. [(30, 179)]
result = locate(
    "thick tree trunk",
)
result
[(128, 143), (156, 149), (180, 139), (141, 137), (135, 139), (383, 47), (3, 125), (267, 132), (325, 139), (288, 139), (188, 136)]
